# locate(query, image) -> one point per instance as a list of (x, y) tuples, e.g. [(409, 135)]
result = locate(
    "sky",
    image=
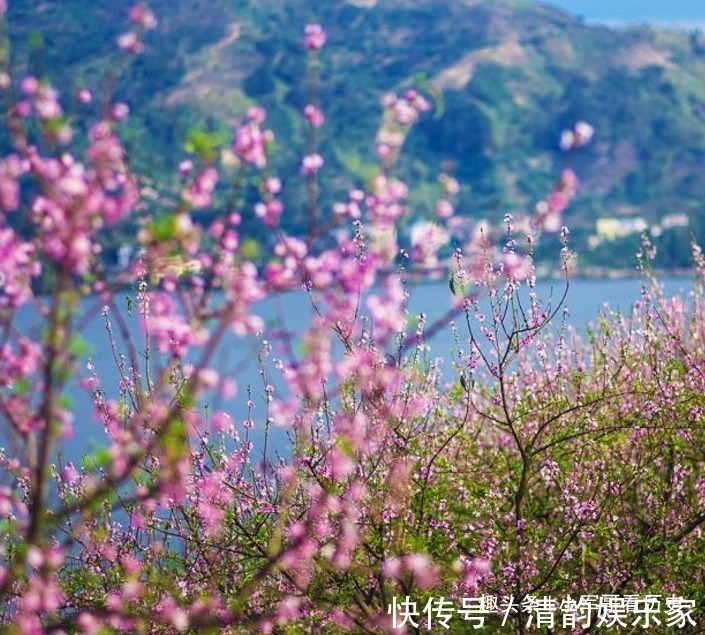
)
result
[(683, 13)]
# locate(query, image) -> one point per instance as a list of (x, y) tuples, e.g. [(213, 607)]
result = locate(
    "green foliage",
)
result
[(205, 145)]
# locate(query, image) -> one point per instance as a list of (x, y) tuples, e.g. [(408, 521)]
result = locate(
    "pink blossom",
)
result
[(426, 239), (392, 567), (69, 474), (351, 209), (311, 163), (399, 115), (169, 331), (11, 168), (141, 15), (84, 96), (130, 42), (557, 201), (251, 141), (120, 111), (569, 181), (405, 113), (23, 108), (580, 135), (341, 465), (417, 100), (314, 115), (552, 222), (17, 267), (548, 212), (314, 37), (257, 114), (387, 311), (29, 85), (272, 185), (584, 133), (424, 571), (308, 377), (46, 102), (198, 193), (35, 557), (516, 267), (243, 289), (567, 140), (5, 501), (269, 211), (383, 150), (444, 208)]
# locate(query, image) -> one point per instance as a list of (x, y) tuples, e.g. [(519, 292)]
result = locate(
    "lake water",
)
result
[(292, 312)]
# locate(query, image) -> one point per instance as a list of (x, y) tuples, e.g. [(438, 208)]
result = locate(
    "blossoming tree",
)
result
[(540, 465)]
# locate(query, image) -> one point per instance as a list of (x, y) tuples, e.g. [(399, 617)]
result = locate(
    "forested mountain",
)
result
[(506, 77)]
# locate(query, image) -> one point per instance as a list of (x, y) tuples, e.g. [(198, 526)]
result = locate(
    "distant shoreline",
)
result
[(118, 283)]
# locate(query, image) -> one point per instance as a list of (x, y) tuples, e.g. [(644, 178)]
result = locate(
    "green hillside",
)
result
[(509, 76)]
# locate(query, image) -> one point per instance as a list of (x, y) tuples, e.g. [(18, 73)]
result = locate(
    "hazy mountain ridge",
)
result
[(511, 74)]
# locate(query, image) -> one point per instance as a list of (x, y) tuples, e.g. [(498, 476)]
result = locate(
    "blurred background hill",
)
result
[(507, 76)]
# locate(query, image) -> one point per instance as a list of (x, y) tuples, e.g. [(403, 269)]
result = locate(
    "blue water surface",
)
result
[(289, 316)]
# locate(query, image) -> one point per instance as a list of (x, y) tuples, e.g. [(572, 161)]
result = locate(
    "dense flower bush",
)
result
[(535, 463)]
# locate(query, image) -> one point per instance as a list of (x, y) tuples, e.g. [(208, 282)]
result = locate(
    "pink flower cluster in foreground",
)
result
[(530, 459)]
